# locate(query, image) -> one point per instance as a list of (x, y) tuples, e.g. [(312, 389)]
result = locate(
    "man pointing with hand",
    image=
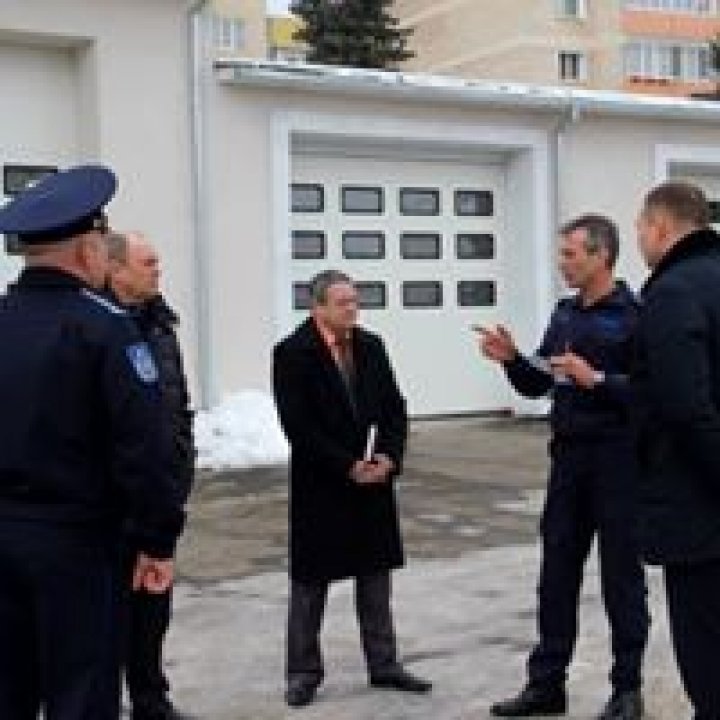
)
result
[(583, 361)]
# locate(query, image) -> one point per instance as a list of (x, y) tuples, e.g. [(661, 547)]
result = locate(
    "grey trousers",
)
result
[(307, 605)]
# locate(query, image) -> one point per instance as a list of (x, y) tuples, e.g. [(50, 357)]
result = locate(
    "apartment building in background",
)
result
[(643, 46), (243, 28)]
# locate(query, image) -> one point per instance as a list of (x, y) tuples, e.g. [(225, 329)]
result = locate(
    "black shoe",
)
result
[(532, 701), (626, 705), (162, 709), (300, 694), (400, 679)]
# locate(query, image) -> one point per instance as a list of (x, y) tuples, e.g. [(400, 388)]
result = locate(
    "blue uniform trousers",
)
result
[(592, 492)]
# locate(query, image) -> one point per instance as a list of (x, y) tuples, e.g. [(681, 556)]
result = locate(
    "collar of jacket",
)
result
[(620, 296), (308, 335), (48, 277), (156, 310), (700, 242)]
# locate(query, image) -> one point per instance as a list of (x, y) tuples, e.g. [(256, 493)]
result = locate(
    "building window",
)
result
[(419, 201), (474, 203), (420, 246), (697, 7), (308, 245), (657, 60), (476, 293), (371, 295), (362, 200), (572, 8), (307, 198), (572, 66), (361, 245), (475, 246), (228, 33), (421, 294)]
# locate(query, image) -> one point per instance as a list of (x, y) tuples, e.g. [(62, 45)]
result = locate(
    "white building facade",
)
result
[(440, 197)]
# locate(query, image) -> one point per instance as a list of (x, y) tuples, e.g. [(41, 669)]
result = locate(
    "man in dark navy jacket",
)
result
[(584, 362), (678, 380), (82, 452)]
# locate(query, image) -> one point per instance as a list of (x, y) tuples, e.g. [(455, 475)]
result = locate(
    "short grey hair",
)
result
[(323, 281), (117, 245), (602, 233)]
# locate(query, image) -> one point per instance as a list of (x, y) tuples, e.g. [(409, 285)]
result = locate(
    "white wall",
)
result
[(125, 64)]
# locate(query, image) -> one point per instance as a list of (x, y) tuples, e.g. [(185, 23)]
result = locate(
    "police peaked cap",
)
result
[(59, 206)]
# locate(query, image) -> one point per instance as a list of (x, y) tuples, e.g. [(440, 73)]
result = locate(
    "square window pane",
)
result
[(420, 294), (362, 200), (419, 201), (475, 246), (420, 246), (714, 211), (301, 296), (371, 295), (476, 293), (474, 203), (13, 246), (361, 245), (308, 245), (18, 177), (307, 198)]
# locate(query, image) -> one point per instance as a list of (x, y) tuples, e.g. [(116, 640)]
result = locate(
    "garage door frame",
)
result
[(527, 153)]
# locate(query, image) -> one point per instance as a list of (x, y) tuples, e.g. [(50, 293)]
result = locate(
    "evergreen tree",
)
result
[(355, 33)]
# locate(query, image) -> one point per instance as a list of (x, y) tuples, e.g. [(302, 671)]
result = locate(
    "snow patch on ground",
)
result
[(241, 432)]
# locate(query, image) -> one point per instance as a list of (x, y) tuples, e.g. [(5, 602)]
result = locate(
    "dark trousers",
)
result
[(693, 595), (59, 617), (592, 490), (147, 624), (146, 619), (307, 605)]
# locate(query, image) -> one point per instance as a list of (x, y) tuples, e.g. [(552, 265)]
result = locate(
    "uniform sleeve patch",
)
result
[(142, 362)]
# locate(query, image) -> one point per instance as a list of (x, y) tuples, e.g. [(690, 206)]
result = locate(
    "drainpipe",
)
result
[(196, 53), (570, 116)]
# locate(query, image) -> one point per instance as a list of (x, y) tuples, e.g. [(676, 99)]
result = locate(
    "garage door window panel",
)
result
[(422, 294), (371, 295), (362, 200), (301, 296), (420, 202), (308, 245), (475, 246), (421, 246), (363, 245), (474, 203), (307, 198), (477, 293)]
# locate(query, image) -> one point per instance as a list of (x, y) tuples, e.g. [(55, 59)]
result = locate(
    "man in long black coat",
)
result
[(678, 380), (333, 382)]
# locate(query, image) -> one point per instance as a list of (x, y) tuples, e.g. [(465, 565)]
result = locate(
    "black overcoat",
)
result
[(678, 402), (338, 529)]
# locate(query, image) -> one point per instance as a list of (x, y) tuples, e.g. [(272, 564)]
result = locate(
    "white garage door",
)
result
[(425, 243), (39, 95)]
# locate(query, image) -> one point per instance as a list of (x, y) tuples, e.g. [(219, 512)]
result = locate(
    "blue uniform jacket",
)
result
[(603, 334), (81, 436)]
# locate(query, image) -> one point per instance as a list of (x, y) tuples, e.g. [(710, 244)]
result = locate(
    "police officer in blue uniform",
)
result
[(83, 452), (584, 361)]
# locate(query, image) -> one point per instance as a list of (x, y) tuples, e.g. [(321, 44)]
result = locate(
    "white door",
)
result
[(425, 242), (39, 93)]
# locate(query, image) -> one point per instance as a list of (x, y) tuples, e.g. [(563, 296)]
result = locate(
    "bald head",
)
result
[(134, 267)]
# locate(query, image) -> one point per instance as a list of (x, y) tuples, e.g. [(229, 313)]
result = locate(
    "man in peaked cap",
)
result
[(83, 453)]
